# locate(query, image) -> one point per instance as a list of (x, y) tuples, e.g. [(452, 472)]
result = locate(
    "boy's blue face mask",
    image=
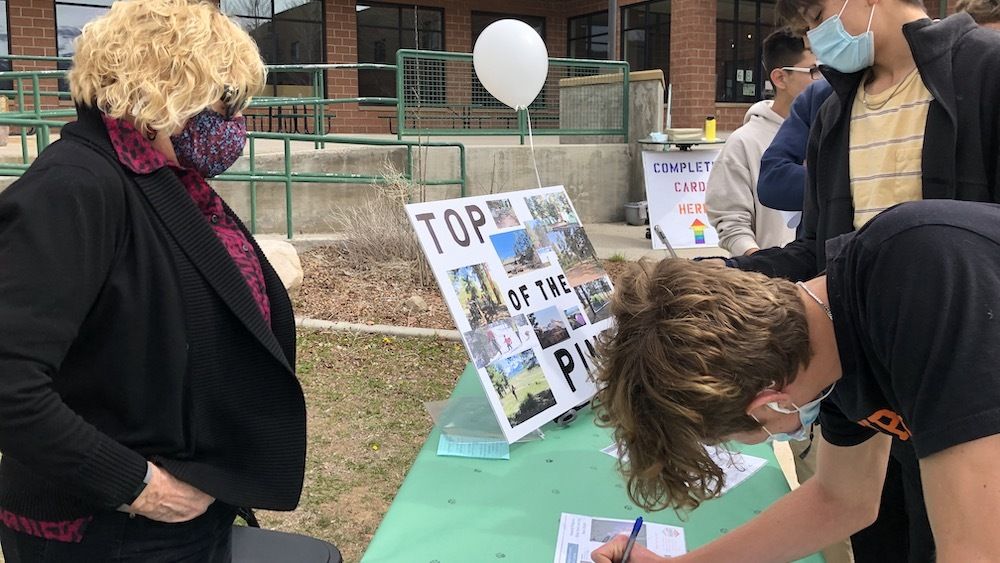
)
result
[(808, 413), (838, 49)]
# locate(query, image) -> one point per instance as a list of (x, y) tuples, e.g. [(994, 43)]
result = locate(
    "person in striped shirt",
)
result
[(914, 116)]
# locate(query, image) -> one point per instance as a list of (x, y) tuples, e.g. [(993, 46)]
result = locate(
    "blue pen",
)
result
[(631, 539)]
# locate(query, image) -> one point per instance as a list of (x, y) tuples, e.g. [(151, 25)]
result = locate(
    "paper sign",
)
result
[(675, 192), (580, 535), (735, 466), (614, 452), (527, 293), (462, 446)]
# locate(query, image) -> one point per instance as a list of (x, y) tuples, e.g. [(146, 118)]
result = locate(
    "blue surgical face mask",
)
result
[(838, 49), (808, 413)]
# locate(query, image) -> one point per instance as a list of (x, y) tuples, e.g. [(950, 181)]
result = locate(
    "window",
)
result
[(588, 36), (480, 21), (71, 16), (646, 36), (286, 32), (5, 46), (384, 29), (741, 27)]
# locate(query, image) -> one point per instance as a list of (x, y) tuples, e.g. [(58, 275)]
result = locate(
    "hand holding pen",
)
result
[(631, 539), (623, 549)]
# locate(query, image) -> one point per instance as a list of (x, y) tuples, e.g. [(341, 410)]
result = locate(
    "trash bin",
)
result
[(636, 213)]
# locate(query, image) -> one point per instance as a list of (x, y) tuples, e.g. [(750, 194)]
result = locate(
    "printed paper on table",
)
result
[(736, 467), (580, 535)]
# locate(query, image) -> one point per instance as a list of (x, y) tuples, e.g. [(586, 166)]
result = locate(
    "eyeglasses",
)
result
[(234, 101), (813, 71)]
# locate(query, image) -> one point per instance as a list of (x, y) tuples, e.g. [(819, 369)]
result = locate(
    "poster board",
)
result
[(675, 193), (527, 293)]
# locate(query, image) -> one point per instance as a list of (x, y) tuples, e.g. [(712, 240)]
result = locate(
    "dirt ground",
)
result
[(333, 292)]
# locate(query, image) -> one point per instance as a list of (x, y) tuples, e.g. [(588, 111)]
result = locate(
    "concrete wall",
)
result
[(313, 204), (646, 113), (596, 178)]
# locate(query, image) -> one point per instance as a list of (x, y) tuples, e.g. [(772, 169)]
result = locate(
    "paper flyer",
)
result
[(464, 446), (580, 535), (736, 467), (527, 293)]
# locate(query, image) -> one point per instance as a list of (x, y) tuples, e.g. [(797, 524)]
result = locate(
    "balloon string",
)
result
[(531, 143)]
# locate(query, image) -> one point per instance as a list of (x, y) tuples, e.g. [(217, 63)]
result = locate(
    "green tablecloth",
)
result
[(454, 510)]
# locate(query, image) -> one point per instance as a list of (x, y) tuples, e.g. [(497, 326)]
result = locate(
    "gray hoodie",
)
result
[(731, 197)]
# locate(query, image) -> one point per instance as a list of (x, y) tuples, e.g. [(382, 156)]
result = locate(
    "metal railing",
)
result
[(438, 94), (314, 104), (316, 100), (37, 93), (34, 119), (42, 131), (288, 176)]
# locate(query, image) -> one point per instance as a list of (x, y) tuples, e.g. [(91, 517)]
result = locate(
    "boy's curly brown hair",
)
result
[(693, 345)]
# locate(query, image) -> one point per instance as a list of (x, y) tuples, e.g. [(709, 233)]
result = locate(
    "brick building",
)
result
[(708, 49)]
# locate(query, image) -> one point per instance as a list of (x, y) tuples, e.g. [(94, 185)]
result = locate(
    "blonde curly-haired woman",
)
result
[(147, 348)]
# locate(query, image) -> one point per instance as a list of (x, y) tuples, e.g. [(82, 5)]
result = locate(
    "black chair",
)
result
[(255, 545)]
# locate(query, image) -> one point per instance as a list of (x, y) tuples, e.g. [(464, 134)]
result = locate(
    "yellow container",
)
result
[(710, 128)]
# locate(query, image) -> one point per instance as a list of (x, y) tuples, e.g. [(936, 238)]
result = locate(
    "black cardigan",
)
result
[(128, 333), (959, 63)]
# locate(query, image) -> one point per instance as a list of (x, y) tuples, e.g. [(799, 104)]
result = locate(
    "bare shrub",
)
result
[(378, 231)]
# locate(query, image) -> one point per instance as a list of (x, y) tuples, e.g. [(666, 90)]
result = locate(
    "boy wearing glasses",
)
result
[(743, 224)]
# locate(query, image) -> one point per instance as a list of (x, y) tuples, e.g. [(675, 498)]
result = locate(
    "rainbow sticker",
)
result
[(699, 231)]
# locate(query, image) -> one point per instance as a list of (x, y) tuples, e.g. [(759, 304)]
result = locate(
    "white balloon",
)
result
[(511, 61)]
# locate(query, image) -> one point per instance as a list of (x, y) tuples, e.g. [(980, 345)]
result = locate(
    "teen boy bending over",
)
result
[(900, 340)]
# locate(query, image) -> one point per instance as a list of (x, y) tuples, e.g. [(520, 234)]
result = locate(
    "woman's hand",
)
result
[(167, 499), (612, 552)]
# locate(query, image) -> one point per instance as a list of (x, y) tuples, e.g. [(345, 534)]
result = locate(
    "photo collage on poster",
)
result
[(527, 293), (504, 345)]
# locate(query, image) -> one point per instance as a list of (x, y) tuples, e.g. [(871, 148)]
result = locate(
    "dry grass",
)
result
[(379, 230), (365, 396), (333, 291), (367, 422)]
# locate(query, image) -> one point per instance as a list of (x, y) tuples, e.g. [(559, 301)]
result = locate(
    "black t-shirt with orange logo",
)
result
[(915, 296)]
